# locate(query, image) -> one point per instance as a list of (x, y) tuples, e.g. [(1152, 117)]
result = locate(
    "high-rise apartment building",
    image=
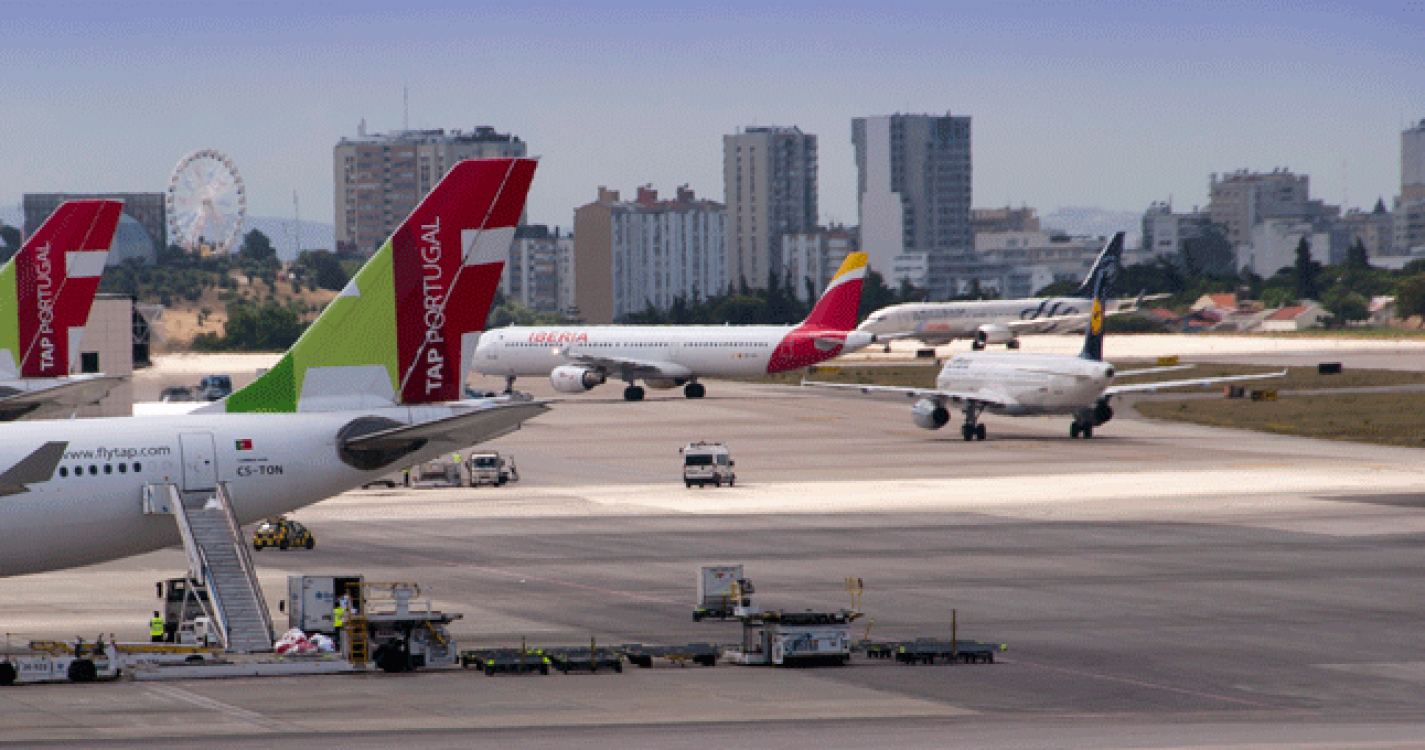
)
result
[(380, 178), (630, 255), (914, 193), (769, 184), (531, 276), (812, 258), (1412, 163), (1241, 200)]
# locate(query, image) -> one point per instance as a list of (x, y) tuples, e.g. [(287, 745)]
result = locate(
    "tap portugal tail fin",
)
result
[(46, 290), (403, 328)]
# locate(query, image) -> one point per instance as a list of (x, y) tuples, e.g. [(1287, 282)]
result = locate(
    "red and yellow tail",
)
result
[(836, 310)]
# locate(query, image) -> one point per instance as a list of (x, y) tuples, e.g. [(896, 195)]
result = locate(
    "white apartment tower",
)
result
[(380, 178), (629, 255), (769, 184), (914, 193)]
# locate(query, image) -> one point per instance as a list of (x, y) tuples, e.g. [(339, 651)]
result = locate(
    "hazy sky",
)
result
[(1111, 104)]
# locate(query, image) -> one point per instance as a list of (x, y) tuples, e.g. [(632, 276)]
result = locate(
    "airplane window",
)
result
[(138, 466), (63, 471), (108, 468), (123, 468), (93, 470)]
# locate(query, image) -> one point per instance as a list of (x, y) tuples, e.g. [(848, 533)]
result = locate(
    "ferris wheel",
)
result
[(207, 202)]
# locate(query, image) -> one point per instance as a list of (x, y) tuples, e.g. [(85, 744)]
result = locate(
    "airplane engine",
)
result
[(574, 379), (929, 415), (993, 333), (664, 384)]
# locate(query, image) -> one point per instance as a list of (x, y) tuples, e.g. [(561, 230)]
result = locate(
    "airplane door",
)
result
[(200, 461)]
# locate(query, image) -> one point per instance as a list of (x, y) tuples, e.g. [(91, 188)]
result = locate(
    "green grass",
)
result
[(1384, 418)]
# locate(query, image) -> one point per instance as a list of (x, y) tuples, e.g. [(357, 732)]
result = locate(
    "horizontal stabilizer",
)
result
[(459, 430), (57, 401), (34, 468)]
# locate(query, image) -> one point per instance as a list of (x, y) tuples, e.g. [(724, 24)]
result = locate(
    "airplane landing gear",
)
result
[(694, 390), (1012, 344), (633, 393), (1077, 430), (972, 429), (509, 385)]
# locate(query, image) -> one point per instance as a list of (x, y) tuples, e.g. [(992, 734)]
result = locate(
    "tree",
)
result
[(323, 268), (1209, 253), (1356, 256), (1345, 306), (1307, 272), (10, 242), (874, 294), (1410, 296), (257, 247)]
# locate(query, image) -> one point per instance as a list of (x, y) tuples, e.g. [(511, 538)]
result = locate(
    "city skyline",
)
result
[(1113, 106)]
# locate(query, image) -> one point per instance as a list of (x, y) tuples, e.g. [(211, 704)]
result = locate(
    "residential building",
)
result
[(1295, 318), (629, 255), (531, 276), (1412, 163), (1241, 200), (1164, 231), (769, 184), (143, 225), (380, 178), (812, 258), (1040, 256), (1272, 245), (914, 193), (1375, 229)]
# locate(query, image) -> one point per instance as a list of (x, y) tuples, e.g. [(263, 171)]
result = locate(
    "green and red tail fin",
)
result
[(400, 331), (46, 290)]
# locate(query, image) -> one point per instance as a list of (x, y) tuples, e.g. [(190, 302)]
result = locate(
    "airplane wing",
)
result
[(979, 397), (36, 467), (460, 430), (1115, 390), (1154, 370), (56, 401), (643, 368)]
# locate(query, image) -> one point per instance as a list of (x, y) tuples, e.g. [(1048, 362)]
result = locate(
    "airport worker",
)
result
[(407, 475), (338, 618), (155, 628)]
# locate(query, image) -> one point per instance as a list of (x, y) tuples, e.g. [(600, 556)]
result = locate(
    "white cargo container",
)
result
[(310, 600), (718, 587)]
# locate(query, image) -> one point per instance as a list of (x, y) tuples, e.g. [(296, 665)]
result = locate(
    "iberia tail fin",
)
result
[(400, 330), (836, 310), (46, 290)]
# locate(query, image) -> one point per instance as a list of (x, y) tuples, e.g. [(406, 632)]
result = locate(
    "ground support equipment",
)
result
[(641, 656)]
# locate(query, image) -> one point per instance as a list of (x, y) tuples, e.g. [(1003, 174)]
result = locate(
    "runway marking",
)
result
[(228, 709), (572, 585), (1141, 683)]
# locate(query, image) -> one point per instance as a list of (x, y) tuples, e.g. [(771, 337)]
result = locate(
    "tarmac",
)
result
[(1161, 585)]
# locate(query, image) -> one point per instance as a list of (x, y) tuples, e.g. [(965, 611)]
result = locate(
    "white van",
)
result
[(707, 463)]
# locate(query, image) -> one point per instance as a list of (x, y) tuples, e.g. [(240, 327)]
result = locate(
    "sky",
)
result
[(1113, 104)]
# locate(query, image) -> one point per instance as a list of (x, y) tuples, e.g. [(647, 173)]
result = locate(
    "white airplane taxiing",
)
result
[(999, 321), (1016, 385), (578, 358), (373, 384), (46, 291)]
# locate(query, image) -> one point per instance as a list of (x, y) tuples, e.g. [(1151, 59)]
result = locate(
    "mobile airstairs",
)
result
[(219, 559)]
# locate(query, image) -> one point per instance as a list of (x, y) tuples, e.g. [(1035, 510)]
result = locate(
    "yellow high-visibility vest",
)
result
[(338, 616), (155, 626)]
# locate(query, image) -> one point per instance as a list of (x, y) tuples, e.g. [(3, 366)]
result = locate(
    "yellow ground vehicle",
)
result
[(282, 533)]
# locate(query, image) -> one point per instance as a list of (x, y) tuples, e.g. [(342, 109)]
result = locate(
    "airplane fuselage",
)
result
[(1038, 384), (942, 322), (699, 351), (90, 509)]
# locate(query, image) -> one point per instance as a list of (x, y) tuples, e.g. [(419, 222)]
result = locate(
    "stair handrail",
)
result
[(198, 568), (245, 559)]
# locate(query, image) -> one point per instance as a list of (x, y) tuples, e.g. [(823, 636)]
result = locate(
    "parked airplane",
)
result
[(46, 291), (1035, 384), (373, 384), (578, 358), (994, 321)]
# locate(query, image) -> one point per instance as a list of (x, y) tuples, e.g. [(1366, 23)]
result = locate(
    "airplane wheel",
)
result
[(967, 432), (1012, 344), (694, 390), (977, 345), (1088, 431), (1074, 431), (980, 432), (633, 393)]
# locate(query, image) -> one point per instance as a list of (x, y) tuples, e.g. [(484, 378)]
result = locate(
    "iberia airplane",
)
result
[(578, 358), (46, 291), (372, 385)]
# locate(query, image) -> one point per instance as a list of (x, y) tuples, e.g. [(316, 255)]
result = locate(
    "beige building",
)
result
[(814, 257), (108, 348), (1241, 200), (380, 178), (629, 255), (769, 185)]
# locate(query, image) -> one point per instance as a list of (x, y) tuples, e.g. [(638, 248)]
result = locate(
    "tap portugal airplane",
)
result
[(577, 359), (1035, 384), (373, 383), (46, 291)]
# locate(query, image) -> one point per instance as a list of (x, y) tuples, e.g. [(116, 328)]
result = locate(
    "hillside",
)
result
[(183, 319)]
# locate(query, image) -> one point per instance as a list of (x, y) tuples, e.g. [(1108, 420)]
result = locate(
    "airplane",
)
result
[(578, 358), (373, 384), (988, 322), (1017, 385), (46, 291)]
